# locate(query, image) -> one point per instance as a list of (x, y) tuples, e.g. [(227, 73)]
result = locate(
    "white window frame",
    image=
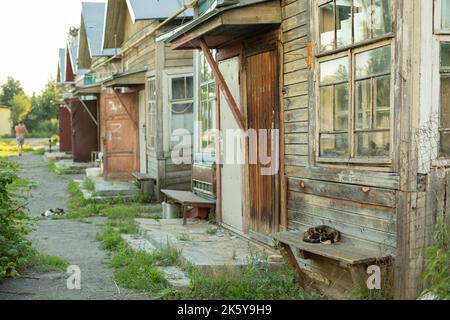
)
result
[(201, 156), (168, 75), (150, 134), (438, 18)]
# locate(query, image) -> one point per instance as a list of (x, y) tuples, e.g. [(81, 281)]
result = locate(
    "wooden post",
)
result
[(223, 85)]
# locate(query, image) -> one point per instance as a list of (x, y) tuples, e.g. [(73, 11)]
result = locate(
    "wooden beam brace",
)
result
[(223, 85), (125, 107), (88, 111)]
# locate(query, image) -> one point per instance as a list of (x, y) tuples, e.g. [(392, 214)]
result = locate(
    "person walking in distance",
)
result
[(20, 136)]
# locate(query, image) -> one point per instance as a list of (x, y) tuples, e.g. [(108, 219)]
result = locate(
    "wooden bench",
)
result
[(188, 201), (348, 253), (147, 182)]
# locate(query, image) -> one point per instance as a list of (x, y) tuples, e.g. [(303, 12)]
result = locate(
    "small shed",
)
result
[(150, 97), (64, 113)]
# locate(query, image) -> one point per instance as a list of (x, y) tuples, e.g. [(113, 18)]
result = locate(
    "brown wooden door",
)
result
[(262, 106), (120, 135)]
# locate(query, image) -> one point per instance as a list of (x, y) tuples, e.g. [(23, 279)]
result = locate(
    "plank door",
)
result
[(120, 135), (142, 132), (262, 106), (232, 187)]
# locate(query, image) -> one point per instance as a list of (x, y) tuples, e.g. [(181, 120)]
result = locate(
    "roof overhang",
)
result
[(93, 89), (225, 24), (126, 79)]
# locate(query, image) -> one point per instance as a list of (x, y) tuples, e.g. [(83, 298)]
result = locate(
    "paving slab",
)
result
[(56, 156), (201, 243), (68, 166), (105, 190)]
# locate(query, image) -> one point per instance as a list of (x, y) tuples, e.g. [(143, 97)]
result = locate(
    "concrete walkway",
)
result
[(71, 240)]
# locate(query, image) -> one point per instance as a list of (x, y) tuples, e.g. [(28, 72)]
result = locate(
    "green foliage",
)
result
[(20, 107), (14, 222), (110, 239), (136, 270), (437, 274), (42, 117), (89, 185), (8, 91), (41, 263), (254, 281)]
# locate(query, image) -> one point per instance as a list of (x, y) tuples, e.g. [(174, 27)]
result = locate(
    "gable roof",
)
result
[(72, 48), (61, 78), (156, 9), (93, 20), (138, 10)]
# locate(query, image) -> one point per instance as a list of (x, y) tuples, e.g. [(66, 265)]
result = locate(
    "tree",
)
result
[(43, 107), (9, 90), (20, 107)]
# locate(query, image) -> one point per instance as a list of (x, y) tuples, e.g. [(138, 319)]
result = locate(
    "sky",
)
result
[(31, 32)]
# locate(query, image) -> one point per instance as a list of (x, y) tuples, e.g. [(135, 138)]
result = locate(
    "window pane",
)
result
[(363, 104), (190, 87), (445, 103), (445, 56), (178, 88), (204, 93), (375, 144), (152, 89), (334, 145), (212, 91), (382, 93), (445, 15), (373, 62), (326, 22), (334, 71), (326, 109), (344, 22), (362, 20), (382, 17), (445, 144), (341, 108), (182, 115)]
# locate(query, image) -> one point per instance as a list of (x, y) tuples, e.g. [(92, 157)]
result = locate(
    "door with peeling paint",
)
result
[(232, 153), (120, 135)]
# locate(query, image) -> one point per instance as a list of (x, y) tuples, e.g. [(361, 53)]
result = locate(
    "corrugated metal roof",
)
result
[(62, 65), (156, 9), (94, 23)]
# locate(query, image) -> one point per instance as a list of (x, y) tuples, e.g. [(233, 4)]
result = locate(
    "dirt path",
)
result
[(71, 240)]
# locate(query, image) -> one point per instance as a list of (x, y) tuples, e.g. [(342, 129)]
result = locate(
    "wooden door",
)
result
[(231, 173), (263, 113), (120, 135)]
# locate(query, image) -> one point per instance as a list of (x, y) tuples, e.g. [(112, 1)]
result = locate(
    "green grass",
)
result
[(39, 152), (137, 270), (9, 148), (58, 171), (212, 231), (89, 185), (42, 263), (184, 237)]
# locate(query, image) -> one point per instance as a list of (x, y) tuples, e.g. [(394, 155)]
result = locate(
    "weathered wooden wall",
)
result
[(358, 201)]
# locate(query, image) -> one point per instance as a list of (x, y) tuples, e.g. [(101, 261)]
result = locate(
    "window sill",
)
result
[(358, 161)]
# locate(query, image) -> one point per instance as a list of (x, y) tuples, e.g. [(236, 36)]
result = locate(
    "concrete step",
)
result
[(107, 190), (202, 244), (176, 278)]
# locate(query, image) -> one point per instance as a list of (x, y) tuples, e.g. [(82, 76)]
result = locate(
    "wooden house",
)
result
[(344, 88), (147, 94), (64, 113)]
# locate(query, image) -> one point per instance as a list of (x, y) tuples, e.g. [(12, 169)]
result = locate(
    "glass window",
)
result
[(445, 15), (344, 22), (334, 106), (372, 104), (182, 105), (444, 126), (152, 112), (207, 106)]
